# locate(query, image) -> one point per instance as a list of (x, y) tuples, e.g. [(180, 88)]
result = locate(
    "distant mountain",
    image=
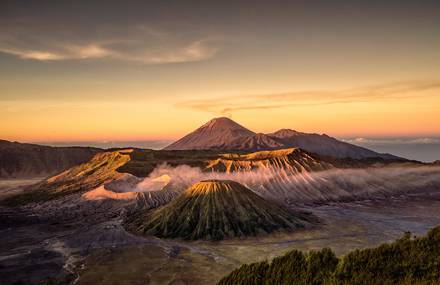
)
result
[(323, 145), (223, 134), (216, 209), (218, 133), (22, 160)]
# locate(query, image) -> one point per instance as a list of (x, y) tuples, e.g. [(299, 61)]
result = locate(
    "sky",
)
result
[(156, 70)]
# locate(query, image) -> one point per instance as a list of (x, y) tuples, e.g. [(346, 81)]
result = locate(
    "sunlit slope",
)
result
[(125, 189), (216, 209), (102, 168), (291, 160)]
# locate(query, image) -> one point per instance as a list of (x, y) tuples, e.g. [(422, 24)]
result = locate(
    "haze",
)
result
[(144, 70)]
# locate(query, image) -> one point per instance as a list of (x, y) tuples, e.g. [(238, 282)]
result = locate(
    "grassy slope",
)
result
[(215, 210)]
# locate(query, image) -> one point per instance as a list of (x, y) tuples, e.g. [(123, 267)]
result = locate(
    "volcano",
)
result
[(214, 210), (223, 134), (323, 145), (218, 133)]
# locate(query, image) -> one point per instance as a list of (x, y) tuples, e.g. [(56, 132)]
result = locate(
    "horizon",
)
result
[(425, 149), (152, 71)]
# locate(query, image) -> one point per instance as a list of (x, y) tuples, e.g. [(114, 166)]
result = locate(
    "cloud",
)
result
[(389, 91), (393, 141), (133, 42)]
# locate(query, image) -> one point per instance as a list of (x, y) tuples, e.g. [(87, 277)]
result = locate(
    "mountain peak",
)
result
[(212, 185), (284, 133), (222, 122), (215, 134)]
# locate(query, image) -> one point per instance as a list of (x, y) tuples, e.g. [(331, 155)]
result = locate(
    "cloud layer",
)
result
[(132, 42), (389, 91), (394, 141)]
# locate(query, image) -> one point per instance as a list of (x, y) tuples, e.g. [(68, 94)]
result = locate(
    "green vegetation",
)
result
[(214, 210), (405, 261)]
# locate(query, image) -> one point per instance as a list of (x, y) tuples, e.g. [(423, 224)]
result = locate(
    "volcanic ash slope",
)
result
[(216, 209)]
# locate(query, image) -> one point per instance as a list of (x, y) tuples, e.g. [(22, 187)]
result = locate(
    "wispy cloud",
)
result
[(137, 43), (394, 141), (389, 91)]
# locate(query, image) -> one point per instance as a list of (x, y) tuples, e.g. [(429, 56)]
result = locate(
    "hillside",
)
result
[(22, 160), (291, 175), (213, 210), (102, 168), (291, 161), (405, 261)]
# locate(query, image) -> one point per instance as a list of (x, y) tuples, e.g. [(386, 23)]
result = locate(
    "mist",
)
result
[(304, 187)]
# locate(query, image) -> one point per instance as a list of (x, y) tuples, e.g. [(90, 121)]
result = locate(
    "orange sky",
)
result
[(151, 71), (414, 114)]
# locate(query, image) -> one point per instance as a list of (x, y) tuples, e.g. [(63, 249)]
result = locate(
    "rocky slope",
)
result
[(22, 160), (291, 161), (216, 209), (126, 189)]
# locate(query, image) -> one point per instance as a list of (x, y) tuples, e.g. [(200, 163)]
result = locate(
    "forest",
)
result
[(408, 260)]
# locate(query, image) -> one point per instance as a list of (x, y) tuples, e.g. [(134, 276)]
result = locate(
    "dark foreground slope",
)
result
[(405, 261), (215, 209), (22, 160)]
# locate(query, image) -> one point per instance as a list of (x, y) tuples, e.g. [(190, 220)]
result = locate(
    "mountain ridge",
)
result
[(23, 160), (223, 134)]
